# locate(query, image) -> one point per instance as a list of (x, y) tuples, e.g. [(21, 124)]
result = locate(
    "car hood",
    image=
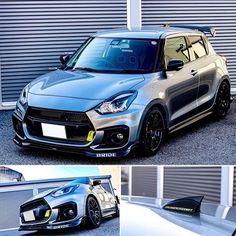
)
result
[(83, 85), (40, 195)]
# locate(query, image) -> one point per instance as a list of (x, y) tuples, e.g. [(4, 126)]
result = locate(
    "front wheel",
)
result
[(94, 216), (153, 132), (222, 103)]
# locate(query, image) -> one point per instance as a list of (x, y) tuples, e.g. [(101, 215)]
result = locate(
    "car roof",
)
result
[(164, 219), (145, 32)]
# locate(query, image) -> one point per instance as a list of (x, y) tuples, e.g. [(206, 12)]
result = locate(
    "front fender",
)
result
[(159, 103)]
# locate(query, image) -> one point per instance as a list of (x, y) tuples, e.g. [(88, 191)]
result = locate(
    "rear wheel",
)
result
[(117, 214), (222, 103), (94, 216), (153, 132)]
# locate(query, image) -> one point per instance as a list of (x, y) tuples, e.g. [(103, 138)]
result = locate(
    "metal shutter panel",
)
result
[(144, 181), (234, 190), (10, 207), (218, 13), (34, 33), (190, 181)]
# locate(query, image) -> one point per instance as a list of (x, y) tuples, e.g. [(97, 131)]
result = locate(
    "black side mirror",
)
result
[(175, 64), (64, 59), (96, 182), (117, 199)]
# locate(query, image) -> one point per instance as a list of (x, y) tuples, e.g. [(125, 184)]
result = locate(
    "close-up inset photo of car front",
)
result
[(84, 200), (66, 200), (125, 90)]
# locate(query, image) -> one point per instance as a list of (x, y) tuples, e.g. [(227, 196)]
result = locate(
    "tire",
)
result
[(153, 132), (222, 103), (117, 214), (93, 211)]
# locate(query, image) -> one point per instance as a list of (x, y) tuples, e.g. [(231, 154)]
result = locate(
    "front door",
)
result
[(182, 84)]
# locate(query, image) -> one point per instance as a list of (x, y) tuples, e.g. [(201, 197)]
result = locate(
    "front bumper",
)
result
[(47, 226), (78, 150), (104, 126), (55, 218)]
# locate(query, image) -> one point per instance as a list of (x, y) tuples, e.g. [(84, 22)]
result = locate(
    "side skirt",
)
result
[(108, 212), (189, 122)]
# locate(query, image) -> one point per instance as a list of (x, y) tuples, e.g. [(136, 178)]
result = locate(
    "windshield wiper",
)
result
[(128, 71), (139, 71), (86, 69)]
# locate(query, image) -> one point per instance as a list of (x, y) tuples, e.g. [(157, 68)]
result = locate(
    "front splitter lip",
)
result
[(47, 226), (81, 151)]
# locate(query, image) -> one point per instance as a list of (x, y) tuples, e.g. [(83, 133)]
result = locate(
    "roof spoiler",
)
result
[(190, 205), (204, 29)]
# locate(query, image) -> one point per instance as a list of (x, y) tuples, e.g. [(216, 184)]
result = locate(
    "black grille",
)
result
[(39, 208), (61, 116), (33, 204), (77, 124)]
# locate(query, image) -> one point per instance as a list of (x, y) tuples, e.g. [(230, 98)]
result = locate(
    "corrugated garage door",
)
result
[(34, 33), (144, 181), (234, 190), (10, 207), (218, 13), (190, 181)]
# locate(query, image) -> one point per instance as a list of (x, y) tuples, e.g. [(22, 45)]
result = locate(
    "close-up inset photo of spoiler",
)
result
[(178, 200), (179, 219)]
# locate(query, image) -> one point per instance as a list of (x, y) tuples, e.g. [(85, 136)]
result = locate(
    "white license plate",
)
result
[(29, 216), (54, 131)]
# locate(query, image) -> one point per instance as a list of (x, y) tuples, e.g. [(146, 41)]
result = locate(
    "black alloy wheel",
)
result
[(222, 103), (94, 216), (153, 132)]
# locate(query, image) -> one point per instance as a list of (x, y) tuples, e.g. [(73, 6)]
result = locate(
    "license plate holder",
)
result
[(53, 131), (29, 215)]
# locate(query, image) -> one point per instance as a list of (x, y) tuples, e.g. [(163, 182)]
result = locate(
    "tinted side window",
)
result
[(199, 49), (176, 48), (107, 187)]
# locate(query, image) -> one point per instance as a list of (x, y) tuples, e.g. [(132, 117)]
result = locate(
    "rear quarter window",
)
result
[(198, 46)]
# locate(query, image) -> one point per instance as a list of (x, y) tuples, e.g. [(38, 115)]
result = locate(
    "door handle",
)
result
[(194, 72)]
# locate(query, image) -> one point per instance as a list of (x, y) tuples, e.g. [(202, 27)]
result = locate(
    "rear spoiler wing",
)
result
[(190, 205), (205, 29)]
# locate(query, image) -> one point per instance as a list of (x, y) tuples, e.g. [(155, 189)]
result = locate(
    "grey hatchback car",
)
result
[(123, 90), (84, 200)]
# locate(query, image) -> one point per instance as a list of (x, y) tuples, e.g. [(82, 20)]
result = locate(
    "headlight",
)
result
[(24, 95), (64, 190), (118, 103)]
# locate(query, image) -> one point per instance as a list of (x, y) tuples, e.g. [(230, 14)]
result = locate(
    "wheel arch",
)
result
[(224, 78), (155, 103), (96, 198)]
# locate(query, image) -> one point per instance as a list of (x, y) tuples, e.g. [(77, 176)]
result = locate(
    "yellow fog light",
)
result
[(90, 136), (47, 213)]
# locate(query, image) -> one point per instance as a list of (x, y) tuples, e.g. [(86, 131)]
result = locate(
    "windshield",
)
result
[(81, 180), (116, 55)]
